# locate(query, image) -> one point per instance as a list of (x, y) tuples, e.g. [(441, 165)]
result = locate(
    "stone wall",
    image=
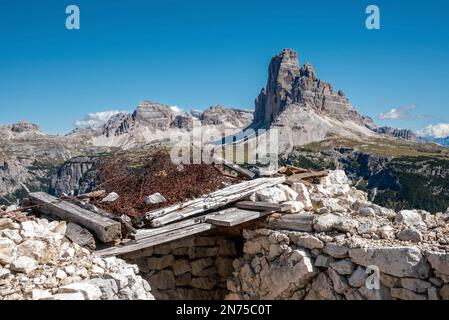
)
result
[(191, 268), (336, 244), (300, 265)]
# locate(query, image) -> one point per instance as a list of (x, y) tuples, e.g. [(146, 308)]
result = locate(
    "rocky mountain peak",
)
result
[(154, 115), (232, 118), (25, 127), (405, 134), (308, 71), (288, 84), (20, 129)]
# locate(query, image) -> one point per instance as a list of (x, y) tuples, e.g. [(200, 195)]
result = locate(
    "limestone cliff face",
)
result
[(288, 84), (282, 72)]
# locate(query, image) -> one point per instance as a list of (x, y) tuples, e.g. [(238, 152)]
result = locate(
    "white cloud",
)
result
[(96, 118), (440, 130), (402, 113), (176, 109)]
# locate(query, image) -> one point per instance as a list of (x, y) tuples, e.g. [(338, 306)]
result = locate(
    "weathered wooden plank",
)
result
[(213, 201), (235, 216), (153, 241), (296, 169), (146, 233), (235, 167), (105, 229), (263, 206), (80, 235)]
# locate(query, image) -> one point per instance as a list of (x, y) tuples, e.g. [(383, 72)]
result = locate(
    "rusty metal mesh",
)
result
[(158, 174)]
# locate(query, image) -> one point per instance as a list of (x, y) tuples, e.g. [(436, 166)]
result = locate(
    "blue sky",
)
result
[(195, 54)]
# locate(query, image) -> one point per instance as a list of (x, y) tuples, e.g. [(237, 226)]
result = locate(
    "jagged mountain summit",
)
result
[(306, 109), (303, 107)]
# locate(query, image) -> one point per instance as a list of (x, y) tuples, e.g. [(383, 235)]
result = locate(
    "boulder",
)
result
[(181, 266), (330, 222), (111, 197), (38, 294), (24, 265), (280, 276), (6, 246), (164, 279), (404, 294), (336, 250), (32, 248), (444, 292), (88, 290), (11, 234), (340, 284), (310, 242), (272, 195), (396, 261), (296, 206), (410, 234), (410, 218), (439, 261), (358, 277), (323, 261), (322, 289), (290, 194), (6, 223), (303, 195), (154, 199), (343, 267), (198, 265), (367, 212), (160, 263), (383, 293), (416, 285)]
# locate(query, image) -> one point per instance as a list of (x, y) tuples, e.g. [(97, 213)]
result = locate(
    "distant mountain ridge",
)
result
[(304, 108)]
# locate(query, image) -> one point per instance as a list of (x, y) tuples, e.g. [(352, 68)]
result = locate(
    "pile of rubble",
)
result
[(332, 241), (38, 262)]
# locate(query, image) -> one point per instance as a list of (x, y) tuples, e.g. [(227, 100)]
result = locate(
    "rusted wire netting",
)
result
[(158, 174)]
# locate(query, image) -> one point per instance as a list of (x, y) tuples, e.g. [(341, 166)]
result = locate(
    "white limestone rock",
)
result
[(396, 261), (410, 218), (303, 195), (272, 195), (24, 264), (112, 197), (410, 234), (89, 291), (155, 199)]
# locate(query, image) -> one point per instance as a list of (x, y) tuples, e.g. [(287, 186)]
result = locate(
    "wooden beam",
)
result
[(310, 175), (263, 206), (235, 167), (234, 216), (153, 241), (105, 229), (146, 233)]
